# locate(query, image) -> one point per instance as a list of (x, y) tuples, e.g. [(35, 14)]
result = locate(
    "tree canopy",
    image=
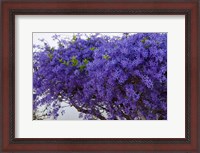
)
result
[(104, 77)]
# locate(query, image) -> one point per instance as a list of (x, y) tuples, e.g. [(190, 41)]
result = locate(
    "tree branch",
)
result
[(79, 109)]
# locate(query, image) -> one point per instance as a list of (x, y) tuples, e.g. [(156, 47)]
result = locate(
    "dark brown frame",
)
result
[(189, 8)]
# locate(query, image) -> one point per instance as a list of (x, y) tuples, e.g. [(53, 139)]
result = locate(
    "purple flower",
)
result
[(104, 77)]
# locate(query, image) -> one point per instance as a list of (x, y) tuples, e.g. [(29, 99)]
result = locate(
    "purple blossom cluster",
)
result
[(104, 77)]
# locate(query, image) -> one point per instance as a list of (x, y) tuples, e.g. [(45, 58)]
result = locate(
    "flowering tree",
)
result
[(103, 77)]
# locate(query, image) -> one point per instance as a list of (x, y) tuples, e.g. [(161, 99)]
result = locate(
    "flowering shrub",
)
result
[(103, 77)]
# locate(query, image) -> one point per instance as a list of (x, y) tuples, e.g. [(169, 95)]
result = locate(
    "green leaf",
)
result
[(52, 49), (50, 56), (74, 61), (92, 48), (74, 38), (66, 63), (85, 61), (144, 39), (106, 57), (60, 60), (82, 67)]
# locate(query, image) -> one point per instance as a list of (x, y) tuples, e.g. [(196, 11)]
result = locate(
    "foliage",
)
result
[(104, 77)]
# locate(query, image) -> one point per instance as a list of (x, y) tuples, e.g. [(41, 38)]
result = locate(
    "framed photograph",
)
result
[(100, 76)]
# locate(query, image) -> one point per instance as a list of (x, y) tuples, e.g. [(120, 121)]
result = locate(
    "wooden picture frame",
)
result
[(192, 112)]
